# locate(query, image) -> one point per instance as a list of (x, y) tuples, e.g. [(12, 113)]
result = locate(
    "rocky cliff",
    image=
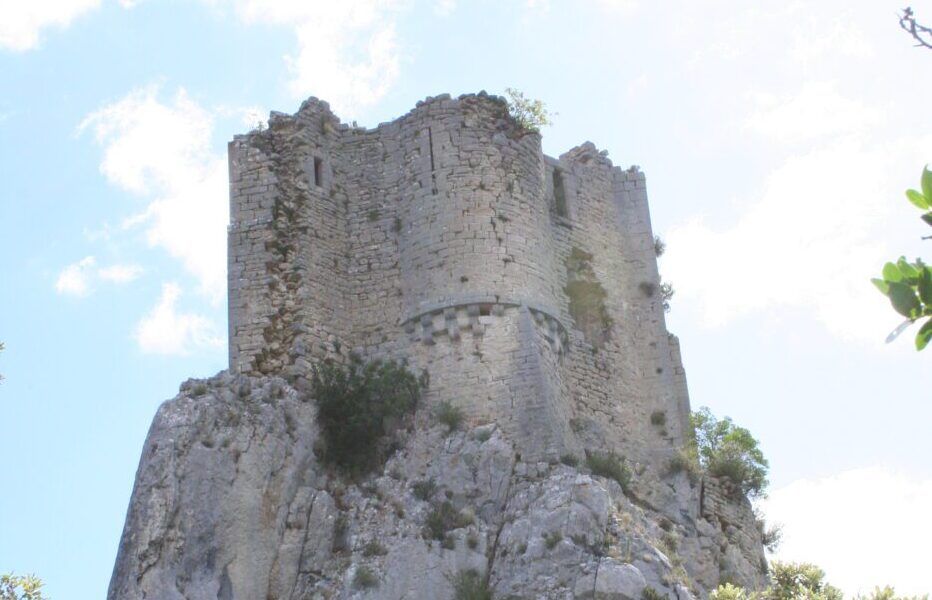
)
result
[(231, 502)]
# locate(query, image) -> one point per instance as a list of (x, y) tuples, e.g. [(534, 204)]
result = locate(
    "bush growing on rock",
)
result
[(442, 519), (609, 465), (365, 579), (424, 489), (449, 415), (470, 585), (650, 593), (361, 406), (726, 450)]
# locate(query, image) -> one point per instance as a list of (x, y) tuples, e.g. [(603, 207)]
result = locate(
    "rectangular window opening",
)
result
[(559, 193), (485, 310), (318, 172)]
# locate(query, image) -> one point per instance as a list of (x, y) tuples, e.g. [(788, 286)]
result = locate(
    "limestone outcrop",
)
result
[(231, 502)]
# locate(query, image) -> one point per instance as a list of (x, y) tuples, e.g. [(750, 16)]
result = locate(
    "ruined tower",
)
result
[(526, 285)]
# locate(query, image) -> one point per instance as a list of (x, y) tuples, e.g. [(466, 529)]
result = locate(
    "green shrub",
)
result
[(20, 587), (650, 593), (570, 460), (770, 536), (888, 593), (529, 114), (472, 541), (609, 465), (365, 579), (470, 585), (199, 389), (686, 460), (659, 246), (361, 407), (726, 450), (424, 489), (789, 581), (483, 435), (374, 548), (442, 519), (727, 591), (449, 415), (552, 538)]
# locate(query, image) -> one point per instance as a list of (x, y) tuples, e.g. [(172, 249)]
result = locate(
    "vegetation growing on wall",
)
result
[(470, 585), (529, 114), (609, 465), (726, 450), (361, 407), (587, 299)]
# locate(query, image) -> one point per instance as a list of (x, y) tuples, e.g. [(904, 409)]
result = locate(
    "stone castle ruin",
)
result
[(525, 285), (527, 288)]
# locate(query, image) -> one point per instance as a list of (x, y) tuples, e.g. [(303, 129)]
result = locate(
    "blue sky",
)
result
[(777, 138)]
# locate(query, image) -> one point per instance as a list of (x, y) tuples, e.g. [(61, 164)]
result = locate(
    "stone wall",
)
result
[(447, 238)]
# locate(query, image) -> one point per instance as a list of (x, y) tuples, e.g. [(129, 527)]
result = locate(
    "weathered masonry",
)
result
[(524, 284)]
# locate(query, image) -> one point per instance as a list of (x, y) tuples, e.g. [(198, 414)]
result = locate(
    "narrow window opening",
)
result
[(559, 193), (485, 310), (318, 172), (430, 142)]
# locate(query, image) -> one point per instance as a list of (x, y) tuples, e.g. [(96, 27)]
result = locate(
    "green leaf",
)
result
[(924, 335), (881, 285), (904, 300), (891, 273), (927, 182), (927, 218), (918, 199), (909, 271), (925, 286)]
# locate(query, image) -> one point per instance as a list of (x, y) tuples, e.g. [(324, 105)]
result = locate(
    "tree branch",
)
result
[(920, 33)]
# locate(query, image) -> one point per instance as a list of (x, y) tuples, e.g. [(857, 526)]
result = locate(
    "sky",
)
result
[(777, 139)]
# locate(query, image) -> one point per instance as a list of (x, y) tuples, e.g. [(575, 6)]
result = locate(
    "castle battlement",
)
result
[(526, 285)]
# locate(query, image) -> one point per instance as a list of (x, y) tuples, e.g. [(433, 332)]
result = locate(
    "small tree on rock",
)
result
[(726, 450)]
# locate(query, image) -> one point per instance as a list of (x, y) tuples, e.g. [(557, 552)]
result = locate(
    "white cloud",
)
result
[(74, 280), (166, 331), (815, 111), (77, 279), (815, 232), (864, 527), (119, 273), (816, 37), (347, 51), (21, 21), (162, 151), (444, 7), (621, 6)]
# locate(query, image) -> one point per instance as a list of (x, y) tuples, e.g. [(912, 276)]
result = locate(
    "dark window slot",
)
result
[(559, 193), (318, 172)]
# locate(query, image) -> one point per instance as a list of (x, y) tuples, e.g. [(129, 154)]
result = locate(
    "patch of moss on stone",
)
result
[(587, 299)]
